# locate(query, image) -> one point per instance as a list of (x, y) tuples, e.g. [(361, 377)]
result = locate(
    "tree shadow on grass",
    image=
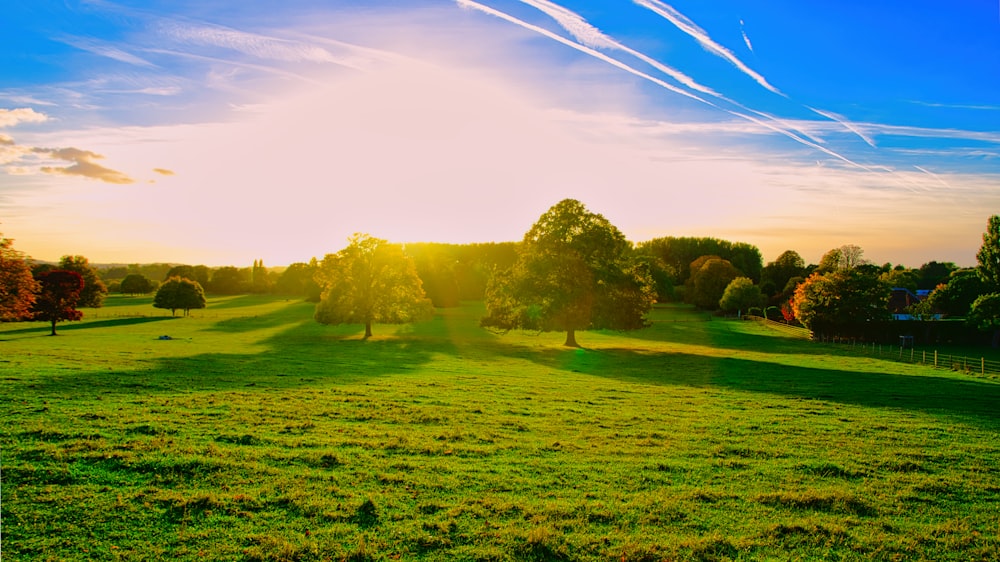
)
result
[(929, 393), (46, 328), (303, 354)]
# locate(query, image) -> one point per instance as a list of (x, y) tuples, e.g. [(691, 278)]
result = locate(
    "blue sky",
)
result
[(223, 132)]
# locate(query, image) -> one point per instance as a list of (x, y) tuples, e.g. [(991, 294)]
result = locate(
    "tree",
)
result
[(260, 281), (228, 281), (833, 301), (985, 315), (298, 280), (677, 254), (574, 271), (370, 281), (933, 273), (18, 288), (94, 289), (709, 279), (988, 256), (741, 294), (955, 297), (786, 266), (844, 258), (198, 273), (59, 297), (136, 284), (179, 293), (905, 278)]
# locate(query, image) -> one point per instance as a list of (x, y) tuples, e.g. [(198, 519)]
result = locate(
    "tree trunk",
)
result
[(53, 328), (368, 329), (571, 339)]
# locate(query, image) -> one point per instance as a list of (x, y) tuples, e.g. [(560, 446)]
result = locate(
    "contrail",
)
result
[(582, 48), (621, 65), (687, 26), (590, 36), (847, 124), (746, 38)]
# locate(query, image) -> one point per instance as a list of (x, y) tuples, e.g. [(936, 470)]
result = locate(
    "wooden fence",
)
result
[(906, 354)]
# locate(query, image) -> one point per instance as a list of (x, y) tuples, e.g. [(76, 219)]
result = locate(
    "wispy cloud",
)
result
[(255, 45), (14, 156), (107, 50), (164, 171), (689, 27), (83, 165)]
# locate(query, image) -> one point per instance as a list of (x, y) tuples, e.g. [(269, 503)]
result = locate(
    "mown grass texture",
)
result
[(257, 434)]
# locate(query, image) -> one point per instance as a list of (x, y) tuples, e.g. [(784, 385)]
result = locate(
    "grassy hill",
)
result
[(255, 433)]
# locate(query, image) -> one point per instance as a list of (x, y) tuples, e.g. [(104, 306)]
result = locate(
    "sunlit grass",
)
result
[(257, 434)]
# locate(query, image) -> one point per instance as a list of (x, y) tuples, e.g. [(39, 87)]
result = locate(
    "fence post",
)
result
[(983, 360), (935, 358), (911, 354)]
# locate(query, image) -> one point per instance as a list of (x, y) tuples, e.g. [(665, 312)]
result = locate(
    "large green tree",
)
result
[(179, 293), (989, 255), (710, 276), (18, 288), (94, 290), (370, 281), (574, 271)]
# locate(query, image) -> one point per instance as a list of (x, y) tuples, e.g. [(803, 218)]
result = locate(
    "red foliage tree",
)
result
[(17, 286), (59, 296)]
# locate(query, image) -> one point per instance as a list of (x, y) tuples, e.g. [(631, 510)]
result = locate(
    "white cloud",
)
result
[(13, 117)]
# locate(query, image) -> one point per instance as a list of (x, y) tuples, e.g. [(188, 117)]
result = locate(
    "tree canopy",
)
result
[(710, 275), (574, 271), (18, 287), (832, 301), (94, 290), (786, 266), (59, 297), (740, 295), (370, 281), (988, 257), (677, 253), (179, 293), (136, 284)]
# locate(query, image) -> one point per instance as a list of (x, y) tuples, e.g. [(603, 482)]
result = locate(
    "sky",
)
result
[(218, 132)]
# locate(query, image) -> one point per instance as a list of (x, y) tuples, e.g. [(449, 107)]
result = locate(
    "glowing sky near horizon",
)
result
[(220, 133)]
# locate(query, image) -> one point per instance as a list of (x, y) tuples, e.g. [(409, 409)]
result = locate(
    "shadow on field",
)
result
[(927, 393), (45, 328), (112, 322), (297, 356)]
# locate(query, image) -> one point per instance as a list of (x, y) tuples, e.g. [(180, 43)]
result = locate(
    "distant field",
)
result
[(258, 434)]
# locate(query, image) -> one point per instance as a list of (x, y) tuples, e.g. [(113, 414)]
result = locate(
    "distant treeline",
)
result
[(452, 273)]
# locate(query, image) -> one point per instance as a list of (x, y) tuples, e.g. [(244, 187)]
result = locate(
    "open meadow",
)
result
[(257, 434)]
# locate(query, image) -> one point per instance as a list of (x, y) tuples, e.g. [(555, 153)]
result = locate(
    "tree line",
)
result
[(572, 271)]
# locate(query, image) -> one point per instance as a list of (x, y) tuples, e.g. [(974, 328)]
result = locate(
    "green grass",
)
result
[(257, 434)]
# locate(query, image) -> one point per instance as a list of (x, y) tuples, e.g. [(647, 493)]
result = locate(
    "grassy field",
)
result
[(257, 434)]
